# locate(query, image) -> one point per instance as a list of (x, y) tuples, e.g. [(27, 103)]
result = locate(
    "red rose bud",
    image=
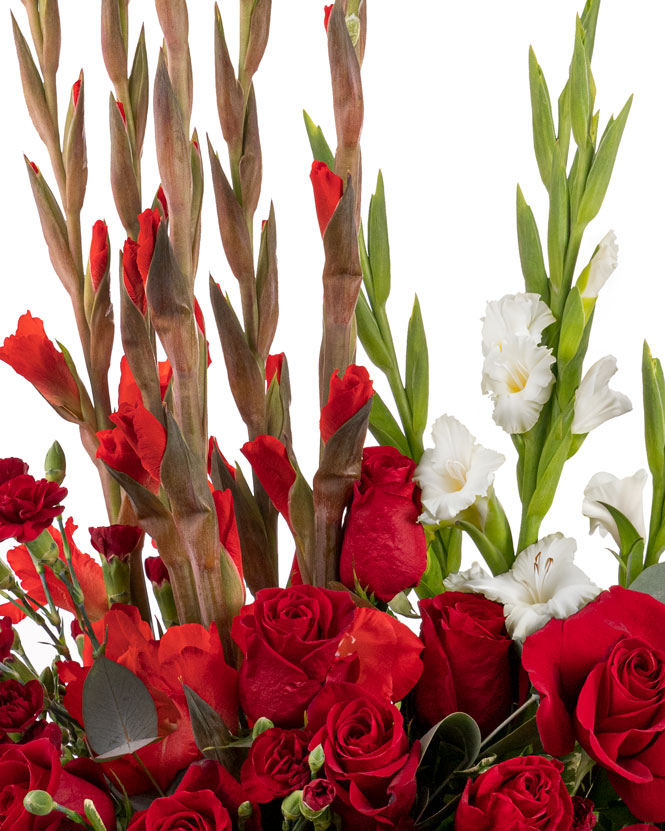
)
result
[(10, 468), (318, 794), (31, 354), (6, 638), (121, 108), (156, 571), (384, 547), (28, 507), (99, 253), (328, 190), (20, 705), (327, 11), (161, 197), (148, 226), (347, 395), (584, 818), (76, 91), (115, 540), (131, 276), (498, 798), (274, 367), (277, 764)]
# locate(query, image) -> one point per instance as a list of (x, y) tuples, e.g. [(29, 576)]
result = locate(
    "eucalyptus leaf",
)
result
[(651, 581), (458, 734), (118, 711), (210, 733)]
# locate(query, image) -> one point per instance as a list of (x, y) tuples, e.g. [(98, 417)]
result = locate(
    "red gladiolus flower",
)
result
[(76, 91), (30, 353), (131, 276), (347, 395), (28, 506), (161, 196), (156, 571), (148, 226), (135, 446), (212, 447), (99, 253), (121, 107), (10, 468), (269, 460), (228, 530), (327, 11), (188, 654), (274, 367), (128, 389), (328, 190), (115, 540)]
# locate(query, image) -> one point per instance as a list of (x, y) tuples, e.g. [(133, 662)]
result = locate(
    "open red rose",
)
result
[(36, 766), (601, 676), (289, 638), (384, 546), (28, 506), (276, 765), (213, 776), (348, 394), (30, 353), (367, 756), (20, 705), (328, 190), (526, 793), (188, 654), (469, 664), (99, 253), (184, 811)]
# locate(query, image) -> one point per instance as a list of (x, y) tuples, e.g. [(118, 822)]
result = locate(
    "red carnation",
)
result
[(156, 571), (328, 190), (10, 468), (115, 540), (584, 818), (318, 794), (28, 507), (6, 638), (347, 395), (20, 705), (30, 353), (99, 253)]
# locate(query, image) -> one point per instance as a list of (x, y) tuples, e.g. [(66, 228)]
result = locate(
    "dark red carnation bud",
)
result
[(76, 91), (348, 394), (75, 629), (99, 253), (584, 818), (161, 196), (156, 571), (10, 468), (274, 367), (115, 540), (121, 107), (28, 507), (327, 11), (6, 637), (328, 190), (319, 793), (132, 276)]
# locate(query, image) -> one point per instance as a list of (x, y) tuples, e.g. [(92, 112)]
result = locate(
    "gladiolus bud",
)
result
[(55, 464), (76, 91), (326, 15), (328, 190), (131, 275), (34, 167), (121, 108), (99, 253)]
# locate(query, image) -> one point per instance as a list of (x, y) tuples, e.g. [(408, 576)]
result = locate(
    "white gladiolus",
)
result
[(595, 402), (623, 494), (459, 581), (454, 473), (519, 379), (543, 583), (514, 315), (602, 264)]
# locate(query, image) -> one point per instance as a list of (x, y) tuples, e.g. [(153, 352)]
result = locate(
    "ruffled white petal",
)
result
[(595, 402), (623, 494), (523, 315), (602, 265)]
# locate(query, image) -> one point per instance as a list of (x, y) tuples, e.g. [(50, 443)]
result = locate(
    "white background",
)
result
[(448, 122)]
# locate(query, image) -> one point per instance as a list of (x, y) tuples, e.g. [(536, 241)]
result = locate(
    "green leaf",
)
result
[(651, 581), (384, 427), (563, 136), (627, 533), (601, 169), (368, 279), (431, 583), (320, 147), (417, 370), (543, 124), (492, 555), (558, 224), (589, 21), (516, 740), (531, 251), (118, 711), (572, 326), (580, 102), (370, 335), (456, 737), (378, 244), (654, 412)]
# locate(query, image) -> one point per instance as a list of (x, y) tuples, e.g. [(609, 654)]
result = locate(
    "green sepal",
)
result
[(589, 22), (368, 278), (580, 98), (654, 412), (378, 244), (563, 136), (572, 326), (558, 224), (531, 251), (320, 147), (543, 123), (384, 427), (417, 370)]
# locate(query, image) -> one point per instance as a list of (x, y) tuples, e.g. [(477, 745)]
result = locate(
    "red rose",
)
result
[(131, 276), (188, 654), (384, 546), (11, 468), (328, 190), (277, 764), (36, 766), (289, 638), (99, 253), (184, 811), (526, 793), (115, 540), (30, 353), (20, 705), (468, 660), (28, 506), (213, 776), (584, 818), (148, 226), (6, 638), (347, 395), (367, 756), (601, 676), (640, 826), (318, 794)]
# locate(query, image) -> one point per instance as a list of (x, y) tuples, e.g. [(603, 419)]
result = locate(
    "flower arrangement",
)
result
[(187, 690)]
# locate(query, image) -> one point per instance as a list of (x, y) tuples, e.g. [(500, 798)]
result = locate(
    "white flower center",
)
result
[(518, 377), (454, 475), (536, 586)]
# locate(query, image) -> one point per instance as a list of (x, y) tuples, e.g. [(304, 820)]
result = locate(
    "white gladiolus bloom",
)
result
[(543, 583), (514, 315), (455, 472), (602, 264), (623, 494), (519, 379), (458, 581), (595, 402)]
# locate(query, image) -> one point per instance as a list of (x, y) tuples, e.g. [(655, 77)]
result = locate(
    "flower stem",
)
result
[(522, 708)]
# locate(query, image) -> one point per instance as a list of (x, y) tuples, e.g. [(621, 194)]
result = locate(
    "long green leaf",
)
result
[(417, 370)]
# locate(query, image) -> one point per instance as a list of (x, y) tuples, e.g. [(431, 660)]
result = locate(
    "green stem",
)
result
[(148, 774), (532, 700)]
